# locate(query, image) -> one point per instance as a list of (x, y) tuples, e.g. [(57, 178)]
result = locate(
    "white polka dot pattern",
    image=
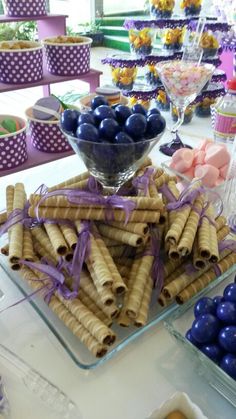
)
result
[(48, 137), (20, 8), (71, 60), (13, 151), (18, 67)]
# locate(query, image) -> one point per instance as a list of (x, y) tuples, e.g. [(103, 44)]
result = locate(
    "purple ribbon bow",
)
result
[(157, 272), (142, 182), (18, 216)]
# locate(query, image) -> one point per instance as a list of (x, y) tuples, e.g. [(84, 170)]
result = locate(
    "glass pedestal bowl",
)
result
[(112, 164)]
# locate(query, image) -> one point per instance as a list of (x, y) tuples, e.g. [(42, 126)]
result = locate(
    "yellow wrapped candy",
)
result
[(124, 77), (141, 41)]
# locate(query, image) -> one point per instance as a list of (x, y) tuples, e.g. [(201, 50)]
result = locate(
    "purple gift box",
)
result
[(13, 149), (20, 66), (68, 59), (46, 135), (18, 8)]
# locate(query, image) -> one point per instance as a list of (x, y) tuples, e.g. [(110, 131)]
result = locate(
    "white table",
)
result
[(140, 377)]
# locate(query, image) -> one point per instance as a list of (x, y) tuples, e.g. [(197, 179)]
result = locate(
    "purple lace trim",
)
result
[(155, 23)]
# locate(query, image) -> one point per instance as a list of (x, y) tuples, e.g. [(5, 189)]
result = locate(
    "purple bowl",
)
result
[(20, 66), (18, 8), (68, 59), (46, 135), (13, 149)]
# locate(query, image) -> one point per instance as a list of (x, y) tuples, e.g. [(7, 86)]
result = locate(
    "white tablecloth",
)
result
[(139, 378)]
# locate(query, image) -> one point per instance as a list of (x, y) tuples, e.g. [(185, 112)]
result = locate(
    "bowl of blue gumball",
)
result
[(112, 141)]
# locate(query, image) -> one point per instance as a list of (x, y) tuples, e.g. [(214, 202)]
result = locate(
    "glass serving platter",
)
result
[(181, 320)]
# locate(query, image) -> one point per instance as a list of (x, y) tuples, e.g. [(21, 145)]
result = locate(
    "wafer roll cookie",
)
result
[(163, 301), (160, 180), (105, 293), (3, 217), (43, 253), (5, 250), (142, 317), (97, 260), (205, 279), (77, 328), (123, 320), (142, 229), (73, 214), (40, 235), (222, 233), (213, 238), (170, 266), (9, 198), (176, 228), (220, 222), (126, 237), (198, 261), (110, 242), (69, 234), (117, 251), (99, 330), (173, 253), (137, 289), (90, 304), (70, 181), (203, 235), (124, 271), (28, 249), (118, 285), (147, 162), (177, 272), (185, 244), (173, 188), (87, 285), (56, 238), (16, 231)]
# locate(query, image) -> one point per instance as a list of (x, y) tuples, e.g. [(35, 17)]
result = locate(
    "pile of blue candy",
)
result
[(112, 138), (214, 329)]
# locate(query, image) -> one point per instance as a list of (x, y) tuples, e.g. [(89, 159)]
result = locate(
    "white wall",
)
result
[(79, 11), (112, 6)]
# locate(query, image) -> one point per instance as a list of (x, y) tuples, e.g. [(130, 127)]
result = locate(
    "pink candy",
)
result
[(209, 161)]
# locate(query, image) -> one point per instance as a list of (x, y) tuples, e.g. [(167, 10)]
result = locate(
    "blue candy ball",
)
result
[(69, 120), (228, 364), (191, 339), (87, 132), (103, 112), (137, 108), (213, 351), (227, 338), (108, 129), (204, 305), (230, 293), (226, 312), (122, 113), (136, 125), (205, 328), (86, 118)]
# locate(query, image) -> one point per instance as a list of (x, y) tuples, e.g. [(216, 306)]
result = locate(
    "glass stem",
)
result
[(180, 112)]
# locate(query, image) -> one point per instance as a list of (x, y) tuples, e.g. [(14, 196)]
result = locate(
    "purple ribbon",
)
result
[(141, 183), (18, 216), (81, 252), (79, 197), (93, 185), (187, 197), (167, 193), (157, 272), (227, 244)]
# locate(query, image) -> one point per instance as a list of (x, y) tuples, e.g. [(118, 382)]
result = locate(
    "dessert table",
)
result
[(139, 377)]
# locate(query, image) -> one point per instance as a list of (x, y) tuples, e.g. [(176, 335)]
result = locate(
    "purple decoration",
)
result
[(68, 60), (21, 8), (228, 42), (213, 26), (21, 66), (141, 183), (219, 75), (143, 94), (129, 60), (213, 91), (155, 23), (47, 136), (13, 150)]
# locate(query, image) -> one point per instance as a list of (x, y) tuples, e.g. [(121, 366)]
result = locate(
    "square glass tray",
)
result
[(181, 320)]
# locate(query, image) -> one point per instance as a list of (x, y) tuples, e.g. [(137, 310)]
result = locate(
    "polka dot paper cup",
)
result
[(46, 135), (13, 149), (21, 65), (18, 8), (65, 58)]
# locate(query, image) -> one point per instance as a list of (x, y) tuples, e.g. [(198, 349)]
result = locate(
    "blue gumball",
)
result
[(230, 293), (226, 312), (98, 101), (69, 120), (204, 305), (87, 132), (153, 111), (213, 351), (205, 328), (228, 364), (103, 112), (136, 125), (138, 108), (218, 299), (108, 129), (155, 125), (227, 338), (86, 118), (141, 148), (191, 339), (122, 113), (123, 138)]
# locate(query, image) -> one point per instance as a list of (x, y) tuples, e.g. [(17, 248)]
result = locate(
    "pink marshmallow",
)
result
[(208, 173), (204, 144), (217, 156), (199, 157), (183, 159), (223, 171), (189, 173)]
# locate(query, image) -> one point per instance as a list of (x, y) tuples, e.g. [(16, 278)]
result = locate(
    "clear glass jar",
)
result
[(203, 108), (188, 114), (191, 7), (161, 9), (162, 101), (151, 75), (141, 41), (124, 78), (173, 39)]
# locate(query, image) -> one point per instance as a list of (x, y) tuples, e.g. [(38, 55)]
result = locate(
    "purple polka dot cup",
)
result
[(67, 58), (13, 149), (21, 8), (21, 65), (46, 135)]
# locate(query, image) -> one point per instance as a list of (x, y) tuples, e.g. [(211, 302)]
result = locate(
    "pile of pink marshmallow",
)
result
[(210, 162)]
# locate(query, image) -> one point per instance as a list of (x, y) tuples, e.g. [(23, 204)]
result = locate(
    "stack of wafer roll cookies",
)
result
[(176, 235)]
